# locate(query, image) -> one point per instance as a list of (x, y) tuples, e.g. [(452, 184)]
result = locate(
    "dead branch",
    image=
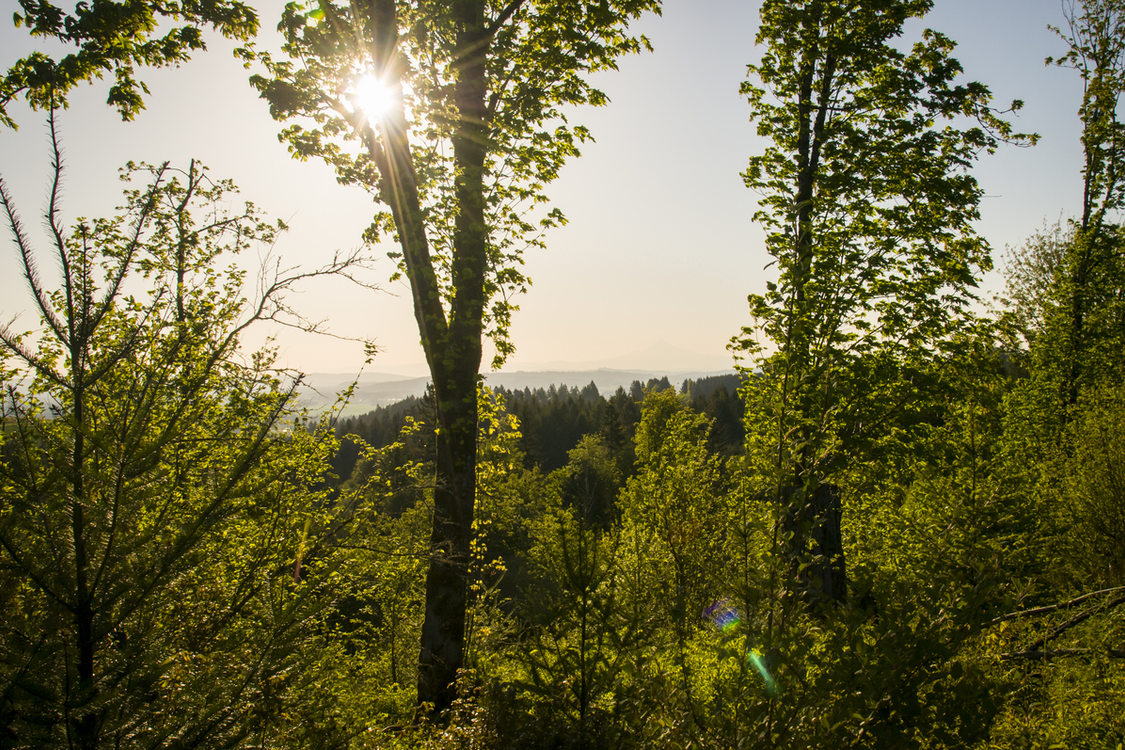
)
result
[(1042, 654), (1052, 607), (1037, 645)]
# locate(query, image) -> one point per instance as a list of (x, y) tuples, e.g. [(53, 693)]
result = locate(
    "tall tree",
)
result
[(1090, 280), (868, 206), (1066, 286), (473, 127)]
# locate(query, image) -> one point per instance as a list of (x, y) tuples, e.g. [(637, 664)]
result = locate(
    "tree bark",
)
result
[(86, 722), (811, 520), (452, 343), (455, 368)]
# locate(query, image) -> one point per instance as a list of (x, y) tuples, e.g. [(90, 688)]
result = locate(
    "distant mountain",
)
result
[(321, 390), (664, 357), (381, 389), (661, 357)]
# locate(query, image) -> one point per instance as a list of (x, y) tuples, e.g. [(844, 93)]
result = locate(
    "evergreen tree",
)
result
[(158, 507)]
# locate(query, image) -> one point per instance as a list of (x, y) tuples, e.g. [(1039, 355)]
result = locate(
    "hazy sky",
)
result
[(655, 265)]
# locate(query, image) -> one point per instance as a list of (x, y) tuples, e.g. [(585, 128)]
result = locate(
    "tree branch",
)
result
[(30, 271), (1052, 607), (1115, 653), (1079, 618), (507, 13)]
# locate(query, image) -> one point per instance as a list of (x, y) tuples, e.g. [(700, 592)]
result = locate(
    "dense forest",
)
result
[(900, 524), (554, 419)]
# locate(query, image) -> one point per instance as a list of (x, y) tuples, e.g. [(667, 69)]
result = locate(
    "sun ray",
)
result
[(371, 95)]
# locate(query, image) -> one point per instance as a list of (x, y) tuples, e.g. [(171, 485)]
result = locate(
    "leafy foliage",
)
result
[(117, 37), (178, 566), (158, 503)]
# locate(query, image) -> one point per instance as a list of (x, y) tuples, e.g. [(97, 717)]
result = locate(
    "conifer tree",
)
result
[(156, 507)]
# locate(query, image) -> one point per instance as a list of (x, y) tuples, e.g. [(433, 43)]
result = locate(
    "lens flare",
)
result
[(758, 661), (724, 615)]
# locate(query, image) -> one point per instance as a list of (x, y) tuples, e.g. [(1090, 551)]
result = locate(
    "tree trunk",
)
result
[(455, 366), (451, 341), (443, 628), (811, 522), (86, 722)]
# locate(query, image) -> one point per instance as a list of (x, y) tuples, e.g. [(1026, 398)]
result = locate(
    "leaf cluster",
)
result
[(104, 37)]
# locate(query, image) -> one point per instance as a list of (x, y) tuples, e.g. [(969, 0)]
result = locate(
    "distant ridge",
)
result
[(380, 389), (661, 357)]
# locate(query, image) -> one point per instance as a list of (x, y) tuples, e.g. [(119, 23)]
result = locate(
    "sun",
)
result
[(371, 96)]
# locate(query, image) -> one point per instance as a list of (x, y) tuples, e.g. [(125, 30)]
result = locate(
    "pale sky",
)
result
[(660, 252)]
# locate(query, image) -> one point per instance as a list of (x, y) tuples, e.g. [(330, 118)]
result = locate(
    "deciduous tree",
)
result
[(1087, 312), (868, 205), (474, 127), (113, 37)]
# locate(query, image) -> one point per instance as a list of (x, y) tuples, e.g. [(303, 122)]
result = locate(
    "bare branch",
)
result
[(1077, 619), (1052, 607), (270, 303), (52, 220), (1115, 653)]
